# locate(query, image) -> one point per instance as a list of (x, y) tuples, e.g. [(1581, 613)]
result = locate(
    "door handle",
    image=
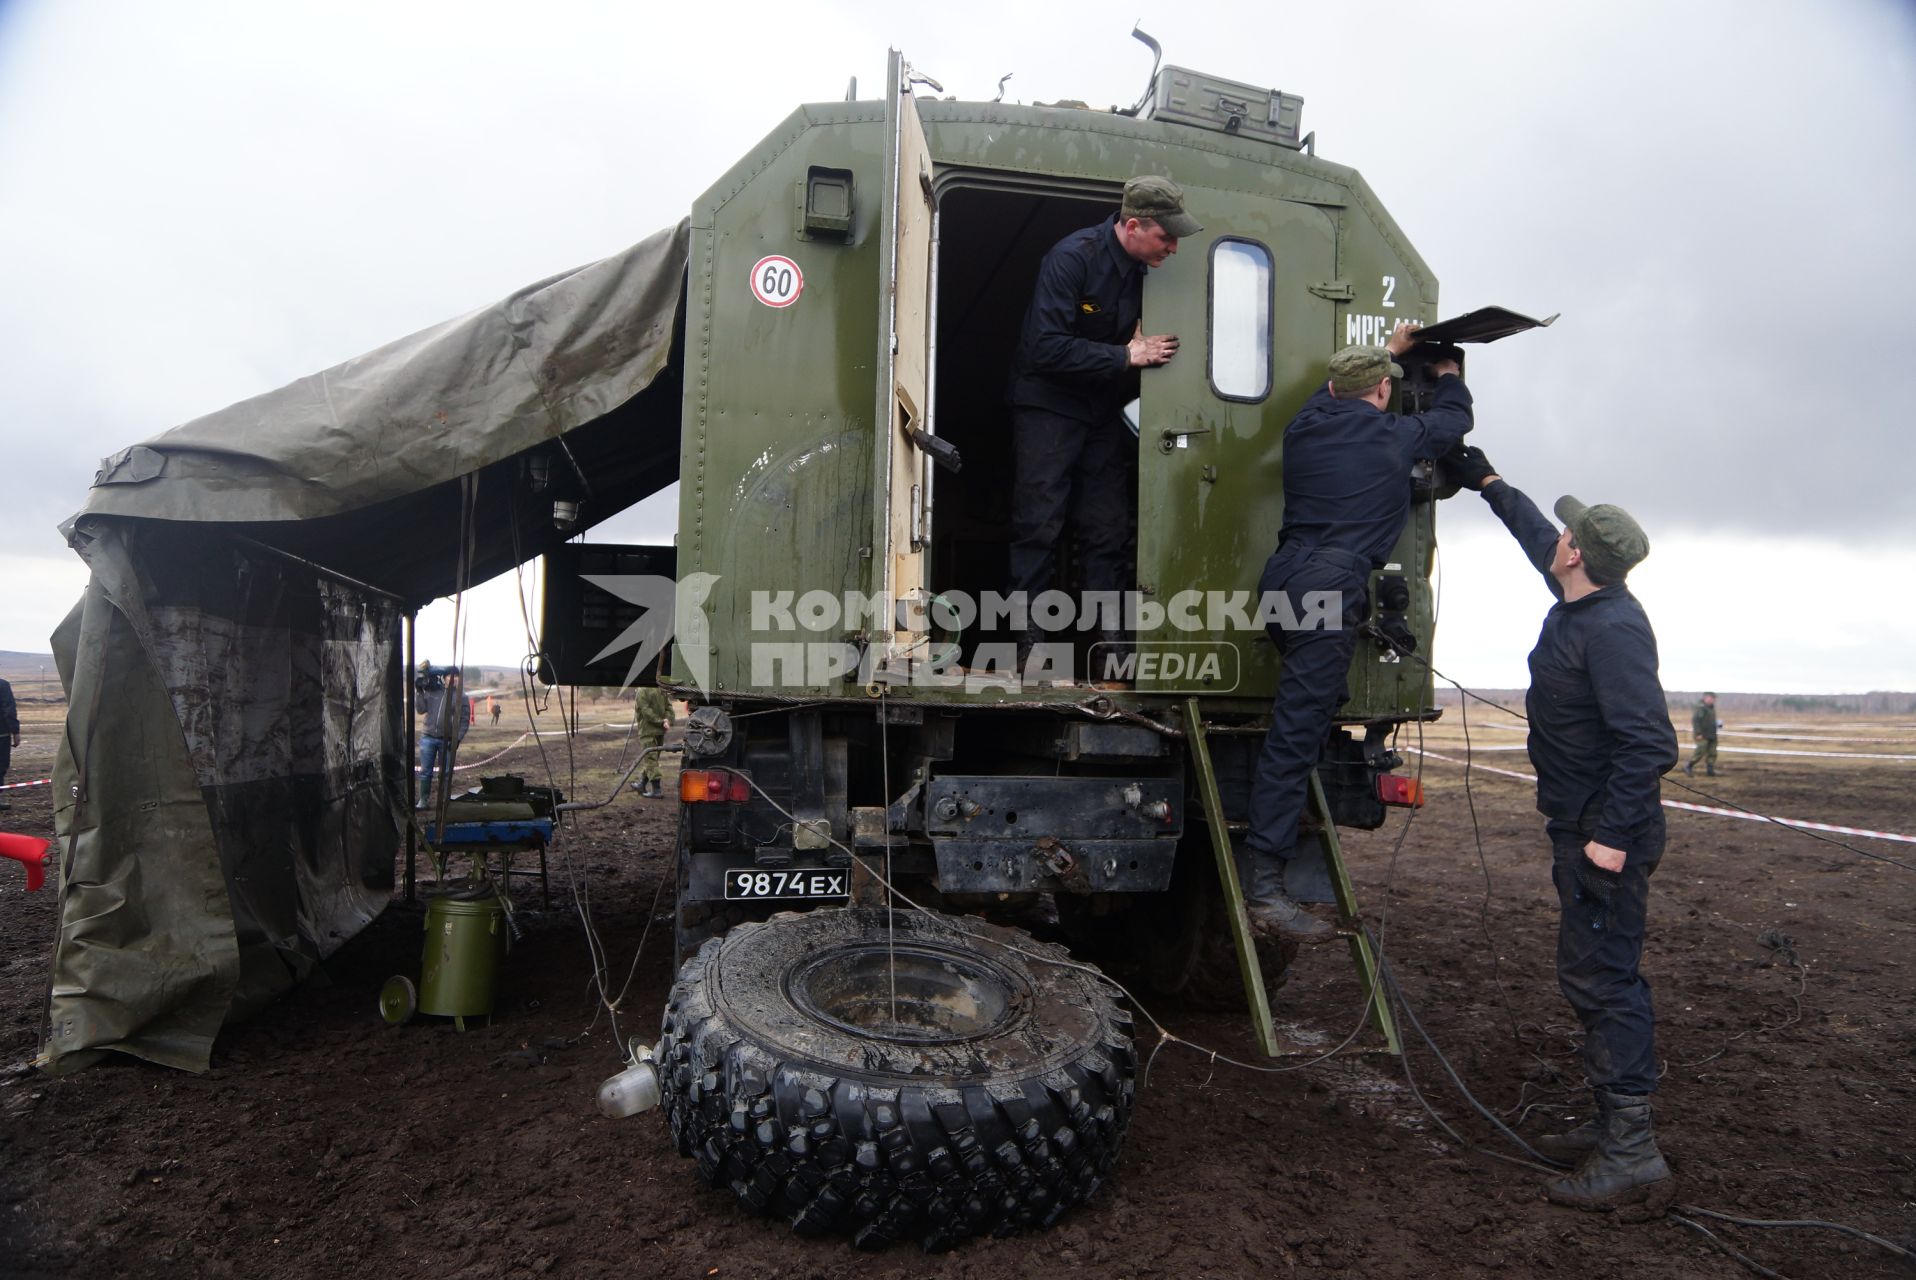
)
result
[(1174, 437)]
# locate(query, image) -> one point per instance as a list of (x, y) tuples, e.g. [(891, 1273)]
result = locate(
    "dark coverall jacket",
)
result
[(1600, 739), (1070, 380), (1346, 498)]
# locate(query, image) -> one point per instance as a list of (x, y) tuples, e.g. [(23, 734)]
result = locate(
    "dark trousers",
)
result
[(6, 754), (1599, 945), (1311, 686), (1087, 472)]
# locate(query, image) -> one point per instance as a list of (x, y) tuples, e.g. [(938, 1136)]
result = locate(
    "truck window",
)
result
[(1240, 320)]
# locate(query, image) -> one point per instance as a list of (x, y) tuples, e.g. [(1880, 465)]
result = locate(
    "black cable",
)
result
[(1818, 1223), (1390, 980), (1801, 831), (1738, 1254)]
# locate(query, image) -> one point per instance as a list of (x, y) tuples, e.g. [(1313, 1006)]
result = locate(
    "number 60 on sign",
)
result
[(777, 281)]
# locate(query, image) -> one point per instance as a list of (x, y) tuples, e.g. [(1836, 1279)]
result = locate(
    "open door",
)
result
[(902, 489), (1239, 295)]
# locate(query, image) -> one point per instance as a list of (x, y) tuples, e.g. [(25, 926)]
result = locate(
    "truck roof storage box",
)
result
[(1190, 97)]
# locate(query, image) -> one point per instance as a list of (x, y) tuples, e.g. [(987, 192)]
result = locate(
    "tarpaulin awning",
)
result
[(231, 789)]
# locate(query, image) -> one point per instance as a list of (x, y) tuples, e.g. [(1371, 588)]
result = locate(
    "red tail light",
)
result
[(713, 786), (1408, 792)]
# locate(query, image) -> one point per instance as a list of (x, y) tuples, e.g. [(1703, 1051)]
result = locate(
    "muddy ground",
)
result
[(324, 1143)]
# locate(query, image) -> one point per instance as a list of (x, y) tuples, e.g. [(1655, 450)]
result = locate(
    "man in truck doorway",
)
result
[(1347, 464), (1076, 367)]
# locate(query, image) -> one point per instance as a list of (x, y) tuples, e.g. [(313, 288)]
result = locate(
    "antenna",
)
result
[(1157, 57)]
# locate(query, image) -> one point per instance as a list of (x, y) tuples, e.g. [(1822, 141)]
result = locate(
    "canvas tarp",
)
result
[(231, 789)]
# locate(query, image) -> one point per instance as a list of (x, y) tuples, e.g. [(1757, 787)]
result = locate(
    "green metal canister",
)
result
[(465, 937)]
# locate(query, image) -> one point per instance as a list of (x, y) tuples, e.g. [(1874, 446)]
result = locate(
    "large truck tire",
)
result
[(895, 1075)]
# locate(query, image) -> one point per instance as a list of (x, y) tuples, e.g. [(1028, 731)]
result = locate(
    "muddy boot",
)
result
[(1624, 1167), (1710, 772), (1689, 769), (1276, 915), (1571, 1147)]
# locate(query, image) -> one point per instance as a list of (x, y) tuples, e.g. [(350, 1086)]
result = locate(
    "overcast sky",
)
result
[(200, 202)]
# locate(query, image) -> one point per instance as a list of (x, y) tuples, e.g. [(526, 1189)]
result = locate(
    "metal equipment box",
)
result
[(1184, 96)]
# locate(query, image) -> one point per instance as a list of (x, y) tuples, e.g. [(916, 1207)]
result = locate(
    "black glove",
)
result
[(1466, 466)]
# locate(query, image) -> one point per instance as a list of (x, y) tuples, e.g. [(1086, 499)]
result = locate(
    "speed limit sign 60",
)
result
[(777, 281)]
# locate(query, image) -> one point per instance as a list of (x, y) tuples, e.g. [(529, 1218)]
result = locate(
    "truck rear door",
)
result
[(901, 525), (1253, 342)]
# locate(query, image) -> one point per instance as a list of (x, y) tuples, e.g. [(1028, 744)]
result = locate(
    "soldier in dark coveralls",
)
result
[(1347, 487), (1600, 739), (1076, 367)]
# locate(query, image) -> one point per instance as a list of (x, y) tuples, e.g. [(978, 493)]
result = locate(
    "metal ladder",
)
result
[(1361, 953)]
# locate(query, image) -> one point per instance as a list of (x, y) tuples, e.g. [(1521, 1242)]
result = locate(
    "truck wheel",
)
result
[(1187, 950), (895, 1075)]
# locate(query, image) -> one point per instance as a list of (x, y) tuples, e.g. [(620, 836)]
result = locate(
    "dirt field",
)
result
[(324, 1143)]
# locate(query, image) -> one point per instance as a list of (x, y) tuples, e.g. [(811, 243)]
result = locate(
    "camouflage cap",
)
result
[(1158, 198), (1356, 369), (1611, 540)]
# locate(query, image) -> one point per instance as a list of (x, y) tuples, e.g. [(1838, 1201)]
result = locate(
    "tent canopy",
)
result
[(231, 789)]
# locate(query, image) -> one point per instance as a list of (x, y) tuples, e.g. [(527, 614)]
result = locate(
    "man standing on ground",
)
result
[(654, 713), (1347, 467), (1703, 729), (447, 716), (9, 734), (1076, 368), (1600, 738)]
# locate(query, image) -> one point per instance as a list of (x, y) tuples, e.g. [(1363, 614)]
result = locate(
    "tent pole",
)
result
[(412, 754)]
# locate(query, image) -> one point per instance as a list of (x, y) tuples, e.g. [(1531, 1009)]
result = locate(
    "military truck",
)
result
[(899, 860)]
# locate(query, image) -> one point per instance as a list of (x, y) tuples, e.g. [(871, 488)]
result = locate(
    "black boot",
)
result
[(1570, 1147), (1710, 772), (1624, 1167), (1689, 770)]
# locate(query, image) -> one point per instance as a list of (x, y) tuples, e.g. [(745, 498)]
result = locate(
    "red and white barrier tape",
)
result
[(1699, 808), (15, 786), (1829, 738), (494, 756)]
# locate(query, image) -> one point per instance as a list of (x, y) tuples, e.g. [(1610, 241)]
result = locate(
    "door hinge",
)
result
[(1335, 290)]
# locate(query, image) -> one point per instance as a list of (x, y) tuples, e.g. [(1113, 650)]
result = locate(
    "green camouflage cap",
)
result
[(1611, 540), (1151, 196), (1356, 369)]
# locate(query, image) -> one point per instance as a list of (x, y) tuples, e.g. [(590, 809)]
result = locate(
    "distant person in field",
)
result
[(492, 708), (9, 733), (1600, 739), (1703, 727), (652, 710)]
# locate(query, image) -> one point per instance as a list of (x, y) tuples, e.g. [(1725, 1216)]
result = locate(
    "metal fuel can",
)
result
[(465, 938)]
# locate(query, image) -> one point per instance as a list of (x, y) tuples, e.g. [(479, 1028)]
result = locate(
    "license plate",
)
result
[(745, 882)]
